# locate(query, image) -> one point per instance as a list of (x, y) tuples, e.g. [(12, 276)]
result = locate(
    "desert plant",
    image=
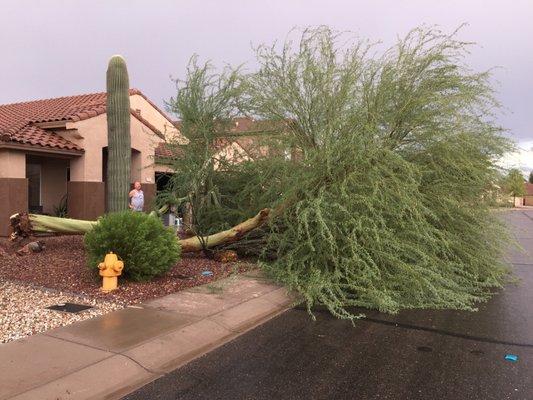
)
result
[(147, 248), (204, 103), (61, 209), (118, 135)]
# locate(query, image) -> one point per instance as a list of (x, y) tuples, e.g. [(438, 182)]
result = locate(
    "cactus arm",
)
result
[(24, 225)]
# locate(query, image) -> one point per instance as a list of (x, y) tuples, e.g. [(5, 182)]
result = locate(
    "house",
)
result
[(244, 138), (528, 197), (56, 149)]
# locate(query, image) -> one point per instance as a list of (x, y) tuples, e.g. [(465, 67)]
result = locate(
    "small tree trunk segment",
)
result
[(228, 236)]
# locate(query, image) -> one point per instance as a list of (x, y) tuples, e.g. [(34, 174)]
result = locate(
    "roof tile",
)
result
[(17, 119), (36, 136)]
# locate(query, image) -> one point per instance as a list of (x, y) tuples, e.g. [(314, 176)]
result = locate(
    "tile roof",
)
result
[(166, 151), (17, 121), (35, 136)]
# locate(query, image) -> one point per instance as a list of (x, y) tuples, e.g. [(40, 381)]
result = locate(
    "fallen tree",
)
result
[(381, 169), (26, 225), (377, 180)]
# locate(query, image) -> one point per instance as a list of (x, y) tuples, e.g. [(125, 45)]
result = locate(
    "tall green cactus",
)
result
[(118, 135)]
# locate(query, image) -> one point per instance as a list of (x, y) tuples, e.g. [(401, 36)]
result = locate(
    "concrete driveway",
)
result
[(420, 354)]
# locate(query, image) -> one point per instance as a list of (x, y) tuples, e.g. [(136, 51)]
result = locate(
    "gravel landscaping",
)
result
[(23, 310), (62, 266), (59, 274)]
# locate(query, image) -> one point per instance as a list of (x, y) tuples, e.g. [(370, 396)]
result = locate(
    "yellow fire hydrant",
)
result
[(109, 270)]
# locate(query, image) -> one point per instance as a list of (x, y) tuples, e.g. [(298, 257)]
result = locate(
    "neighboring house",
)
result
[(242, 142), (56, 148), (528, 198), (245, 139)]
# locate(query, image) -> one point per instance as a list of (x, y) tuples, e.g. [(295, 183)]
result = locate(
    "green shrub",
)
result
[(147, 248)]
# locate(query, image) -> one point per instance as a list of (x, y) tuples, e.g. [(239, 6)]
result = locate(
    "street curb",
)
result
[(149, 359), (191, 356)]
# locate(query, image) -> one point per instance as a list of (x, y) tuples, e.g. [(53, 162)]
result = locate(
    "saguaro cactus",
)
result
[(118, 135)]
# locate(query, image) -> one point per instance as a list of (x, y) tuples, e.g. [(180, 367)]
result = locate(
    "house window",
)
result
[(33, 174)]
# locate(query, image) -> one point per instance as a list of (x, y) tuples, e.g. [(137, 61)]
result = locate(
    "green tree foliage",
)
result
[(381, 204), (205, 103), (147, 248), (514, 183), (530, 177)]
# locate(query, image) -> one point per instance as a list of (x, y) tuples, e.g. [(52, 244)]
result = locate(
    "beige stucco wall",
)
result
[(12, 164), (518, 201), (153, 116), (53, 182), (144, 141), (91, 134), (233, 152)]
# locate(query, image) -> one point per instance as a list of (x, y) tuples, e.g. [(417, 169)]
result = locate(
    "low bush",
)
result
[(147, 248)]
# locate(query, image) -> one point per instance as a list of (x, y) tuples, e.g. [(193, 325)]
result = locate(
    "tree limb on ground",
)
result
[(25, 225), (227, 236)]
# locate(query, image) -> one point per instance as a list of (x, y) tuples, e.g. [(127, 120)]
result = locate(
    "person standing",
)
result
[(137, 197)]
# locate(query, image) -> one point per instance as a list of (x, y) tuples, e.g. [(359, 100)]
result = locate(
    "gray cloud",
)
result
[(54, 48)]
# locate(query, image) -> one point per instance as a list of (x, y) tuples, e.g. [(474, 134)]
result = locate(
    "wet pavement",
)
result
[(418, 354)]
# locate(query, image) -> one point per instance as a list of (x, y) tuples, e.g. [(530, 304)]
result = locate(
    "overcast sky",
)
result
[(56, 48)]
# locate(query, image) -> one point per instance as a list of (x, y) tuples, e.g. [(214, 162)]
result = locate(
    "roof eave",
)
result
[(40, 149)]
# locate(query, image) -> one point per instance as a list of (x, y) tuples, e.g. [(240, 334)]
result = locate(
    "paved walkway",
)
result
[(109, 356)]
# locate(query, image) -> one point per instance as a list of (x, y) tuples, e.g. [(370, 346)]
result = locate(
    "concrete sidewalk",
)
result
[(112, 355)]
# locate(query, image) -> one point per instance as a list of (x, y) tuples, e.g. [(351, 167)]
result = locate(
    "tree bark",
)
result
[(231, 235)]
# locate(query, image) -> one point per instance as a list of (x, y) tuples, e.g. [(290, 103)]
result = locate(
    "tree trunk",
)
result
[(25, 225), (231, 235)]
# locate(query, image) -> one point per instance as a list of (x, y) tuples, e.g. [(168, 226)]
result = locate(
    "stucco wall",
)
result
[(144, 141), (92, 136), (518, 201), (12, 164), (231, 153), (53, 182), (153, 116)]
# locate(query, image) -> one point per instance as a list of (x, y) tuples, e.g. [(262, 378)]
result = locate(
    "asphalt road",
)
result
[(418, 354)]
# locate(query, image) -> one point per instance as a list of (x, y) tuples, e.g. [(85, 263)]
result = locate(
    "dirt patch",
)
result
[(62, 266)]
